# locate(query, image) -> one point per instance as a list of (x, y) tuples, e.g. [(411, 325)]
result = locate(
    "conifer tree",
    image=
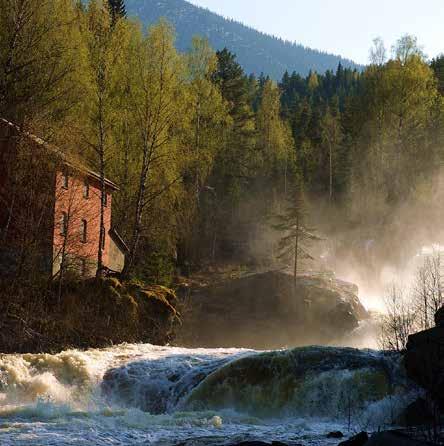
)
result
[(297, 236), (117, 9)]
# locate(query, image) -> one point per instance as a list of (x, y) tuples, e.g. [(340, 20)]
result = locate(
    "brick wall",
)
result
[(70, 200)]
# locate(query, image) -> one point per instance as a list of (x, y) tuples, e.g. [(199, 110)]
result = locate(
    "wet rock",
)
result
[(342, 317), (266, 311), (424, 360), (358, 440), (416, 414), (394, 438), (276, 379), (251, 443), (259, 443), (336, 434), (439, 317)]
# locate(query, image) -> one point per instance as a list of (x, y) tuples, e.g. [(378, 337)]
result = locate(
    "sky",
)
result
[(344, 27)]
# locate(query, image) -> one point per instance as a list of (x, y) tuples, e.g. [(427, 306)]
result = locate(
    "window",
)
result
[(64, 224), (84, 231), (65, 180), (86, 189), (105, 199)]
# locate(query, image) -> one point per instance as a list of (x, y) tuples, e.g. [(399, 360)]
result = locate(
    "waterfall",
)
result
[(129, 390)]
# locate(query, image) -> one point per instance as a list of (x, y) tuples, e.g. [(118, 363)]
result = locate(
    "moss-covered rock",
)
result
[(92, 313)]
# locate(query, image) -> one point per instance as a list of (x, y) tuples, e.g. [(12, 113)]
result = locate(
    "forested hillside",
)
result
[(208, 157), (256, 52)]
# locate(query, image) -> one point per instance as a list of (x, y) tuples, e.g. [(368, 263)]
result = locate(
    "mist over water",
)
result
[(386, 246)]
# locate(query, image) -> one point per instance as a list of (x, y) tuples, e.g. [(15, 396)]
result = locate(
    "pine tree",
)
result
[(117, 9), (294, 244), (437, 66)]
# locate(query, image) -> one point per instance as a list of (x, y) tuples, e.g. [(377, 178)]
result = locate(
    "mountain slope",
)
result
[(257, 52)]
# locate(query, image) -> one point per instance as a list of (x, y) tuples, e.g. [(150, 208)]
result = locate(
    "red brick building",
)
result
[(60, 210)]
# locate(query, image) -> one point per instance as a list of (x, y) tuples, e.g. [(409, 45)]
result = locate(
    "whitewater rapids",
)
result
[(148, 395)]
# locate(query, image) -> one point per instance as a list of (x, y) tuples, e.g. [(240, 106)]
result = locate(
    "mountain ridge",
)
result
[(256, 51)]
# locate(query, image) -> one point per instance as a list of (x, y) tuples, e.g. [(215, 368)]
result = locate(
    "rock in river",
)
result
[(265, 311)]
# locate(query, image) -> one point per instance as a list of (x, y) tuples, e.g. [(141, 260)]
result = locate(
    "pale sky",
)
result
[(344, 27)]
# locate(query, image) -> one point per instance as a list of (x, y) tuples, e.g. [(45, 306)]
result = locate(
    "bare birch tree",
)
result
[(156, 82)]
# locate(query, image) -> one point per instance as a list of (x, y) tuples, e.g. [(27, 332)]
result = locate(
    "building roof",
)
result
[(66, 159), (118, 240)]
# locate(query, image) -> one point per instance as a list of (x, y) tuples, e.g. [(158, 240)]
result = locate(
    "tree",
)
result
[(235, 163), (398, 322), (203, 134), (407, 47), (331, 134), (274, 141), (208, 111), (378, 53), (294, 244), (437, 65), (38, 60), (396, 143), (428, 293), (156, 98), (117, 9), (104, 44)]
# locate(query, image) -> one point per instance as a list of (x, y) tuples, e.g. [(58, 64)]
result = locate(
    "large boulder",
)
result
[(266, 311), (439, 317), (417, 413), (424, 360), (394, 438), (358, 440)]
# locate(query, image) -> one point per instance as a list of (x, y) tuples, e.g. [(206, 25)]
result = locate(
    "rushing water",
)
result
[(148, 395)]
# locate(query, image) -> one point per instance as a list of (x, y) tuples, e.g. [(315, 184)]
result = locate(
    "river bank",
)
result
[(258, 310), (84, 314)]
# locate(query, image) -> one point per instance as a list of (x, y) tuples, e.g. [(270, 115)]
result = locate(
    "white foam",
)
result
[(58, 400)]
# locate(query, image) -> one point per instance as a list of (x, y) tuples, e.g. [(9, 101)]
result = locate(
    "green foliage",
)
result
[(202, 152), (38, 55)]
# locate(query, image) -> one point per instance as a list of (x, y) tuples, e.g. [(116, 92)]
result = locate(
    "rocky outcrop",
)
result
[(394, 438), (335, 434), (417, 413), (424, 360), (439, 317), (265, 311), (358, 440)]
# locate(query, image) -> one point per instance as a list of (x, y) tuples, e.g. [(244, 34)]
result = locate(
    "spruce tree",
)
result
[(117, 9), (296, 235)]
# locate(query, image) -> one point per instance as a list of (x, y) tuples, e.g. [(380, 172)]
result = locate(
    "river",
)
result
[(149, 395)]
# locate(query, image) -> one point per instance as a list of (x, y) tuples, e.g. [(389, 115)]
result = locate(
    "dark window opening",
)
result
[(105, 199), (64, 224), (84, 231), (103, 240), (65, 180), (86, 189)]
